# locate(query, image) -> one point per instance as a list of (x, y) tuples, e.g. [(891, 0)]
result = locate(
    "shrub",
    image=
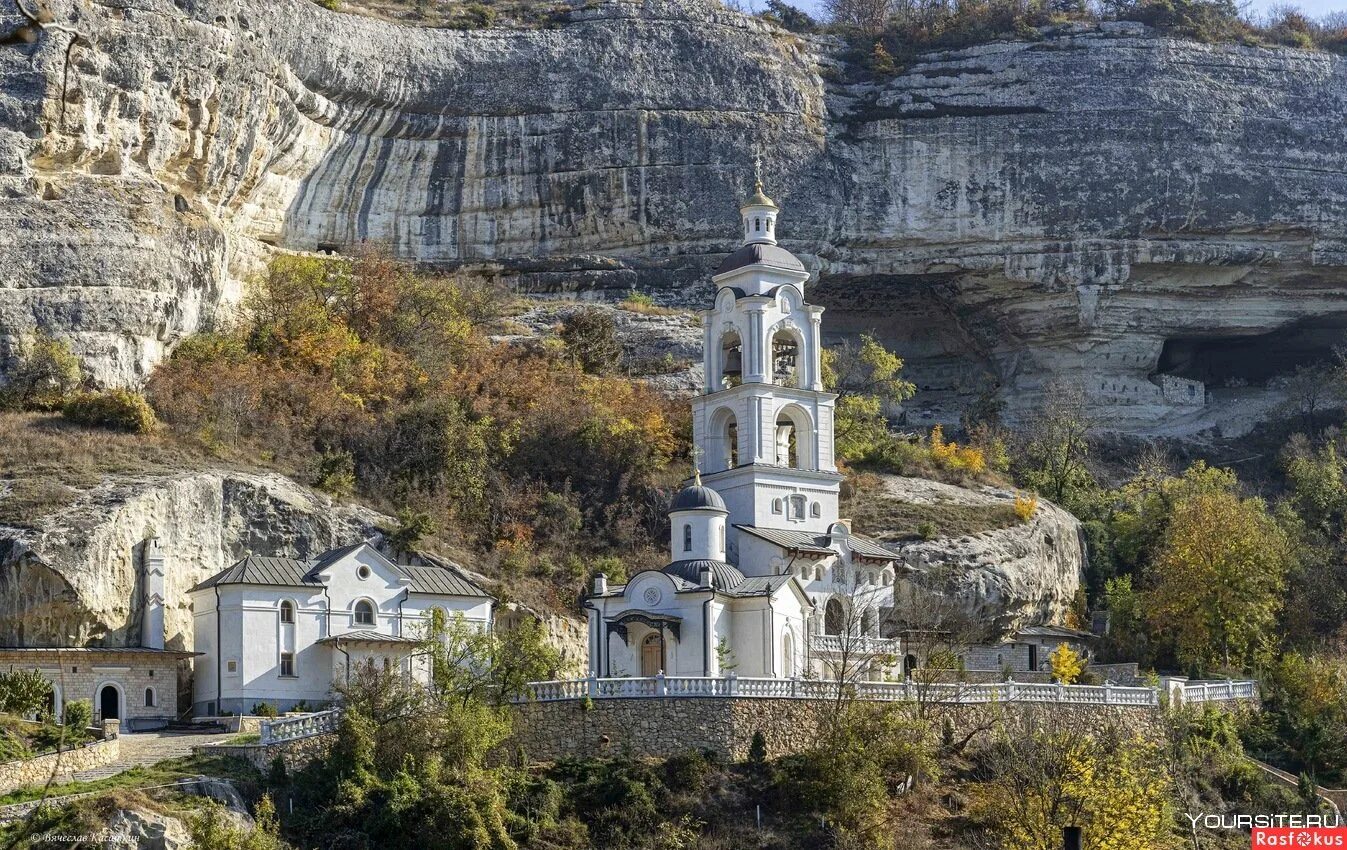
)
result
[(24, 692), (45, 374), (264, 709), (926, 530), (120, 410), (590, 335), (336, 473), (757, 749), (79, 714), (1025, 506), (331, 5)]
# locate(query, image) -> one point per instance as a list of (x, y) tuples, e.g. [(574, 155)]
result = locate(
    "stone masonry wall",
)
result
[(661, 728), (296, 754), (35, 771)]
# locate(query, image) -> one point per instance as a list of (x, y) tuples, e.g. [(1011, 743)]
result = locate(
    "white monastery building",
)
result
[(282, 631), (763, 576)]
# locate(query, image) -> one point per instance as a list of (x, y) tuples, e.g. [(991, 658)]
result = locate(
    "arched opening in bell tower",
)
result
[(731, 361), (794, 438), (723, 444), (786, 364)]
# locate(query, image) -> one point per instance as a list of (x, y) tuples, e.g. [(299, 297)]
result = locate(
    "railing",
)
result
[(304, 726), (855, 644), (1219, 691), (907, 691)]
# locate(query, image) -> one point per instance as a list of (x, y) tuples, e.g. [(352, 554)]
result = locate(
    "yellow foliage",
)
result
[(1025, 506), (1066, 664)]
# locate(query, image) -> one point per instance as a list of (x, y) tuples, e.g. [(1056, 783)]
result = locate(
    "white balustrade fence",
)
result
[(908, 691), (304, 726)]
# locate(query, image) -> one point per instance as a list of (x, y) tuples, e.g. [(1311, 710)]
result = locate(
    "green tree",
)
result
[(24, 692), (1215, 585), (44, 375), (867, 378)]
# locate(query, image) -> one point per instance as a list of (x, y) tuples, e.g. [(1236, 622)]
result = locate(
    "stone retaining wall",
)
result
[(663, 727), (295, 753), (36, 771)]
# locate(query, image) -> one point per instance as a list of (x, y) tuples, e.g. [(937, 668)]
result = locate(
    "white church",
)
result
[(764, 579)]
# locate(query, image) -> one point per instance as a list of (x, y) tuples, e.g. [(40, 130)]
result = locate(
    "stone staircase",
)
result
[(147, 748)]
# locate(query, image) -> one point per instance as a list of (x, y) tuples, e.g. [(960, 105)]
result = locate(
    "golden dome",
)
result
[(759, 199)]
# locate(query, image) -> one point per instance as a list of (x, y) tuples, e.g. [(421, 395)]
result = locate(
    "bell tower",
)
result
[(763, 425)]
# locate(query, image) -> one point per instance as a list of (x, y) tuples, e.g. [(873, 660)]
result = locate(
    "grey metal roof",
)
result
[(759, 585), (761, 253), (367, 636), (1053, 631), (800, 541), (863, 545), (441, 578), (124, 650), (818, 544), (697, 497), (723, 575)]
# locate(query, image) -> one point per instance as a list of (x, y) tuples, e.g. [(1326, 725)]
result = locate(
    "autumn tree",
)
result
[(1215, 585), (1066, 664), (1042, 774), (867, 378), (46, 372)]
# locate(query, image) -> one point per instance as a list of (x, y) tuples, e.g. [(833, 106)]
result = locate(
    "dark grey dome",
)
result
[(761, 252), (723, 576), (697, 497)]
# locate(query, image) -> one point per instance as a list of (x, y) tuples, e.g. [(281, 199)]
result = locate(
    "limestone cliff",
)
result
[(1156, 220), (75, 578), (1009, 574)]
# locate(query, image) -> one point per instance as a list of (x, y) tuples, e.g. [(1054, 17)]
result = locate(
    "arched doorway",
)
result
[(832, 617), (909, 665), (788, 655), (109, 703), (652, 655)]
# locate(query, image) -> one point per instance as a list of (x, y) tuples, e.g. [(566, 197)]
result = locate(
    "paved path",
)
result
[(146, 748)]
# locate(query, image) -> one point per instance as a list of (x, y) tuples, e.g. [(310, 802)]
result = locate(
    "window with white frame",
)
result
[(288, 665), (287, 611), (364, 613)]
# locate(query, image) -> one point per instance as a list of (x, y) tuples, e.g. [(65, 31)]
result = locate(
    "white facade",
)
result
[(281, 631), (758, 554)]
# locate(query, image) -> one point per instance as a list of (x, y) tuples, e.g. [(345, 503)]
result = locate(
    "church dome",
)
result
[(697, 497), (723, 575), (761, 252)]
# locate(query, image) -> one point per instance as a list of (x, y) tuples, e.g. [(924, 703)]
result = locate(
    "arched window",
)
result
[(816, 510), (757, 225), (149, 697), (777, 506), (287, 611), (867, 621), (722, 538), (788, 655), (364, 613), (687, 538), (832, 617), (731, 361)]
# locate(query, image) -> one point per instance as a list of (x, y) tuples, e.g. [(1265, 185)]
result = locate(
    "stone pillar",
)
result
[(152, 596), (112, 728)]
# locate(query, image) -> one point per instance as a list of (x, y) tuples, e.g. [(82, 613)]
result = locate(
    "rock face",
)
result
[(77, 579), (1099, 206), (1026, 574)]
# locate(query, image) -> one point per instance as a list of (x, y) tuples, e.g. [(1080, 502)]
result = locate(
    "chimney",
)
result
[(706, 577), (152, 596), (600, 584)]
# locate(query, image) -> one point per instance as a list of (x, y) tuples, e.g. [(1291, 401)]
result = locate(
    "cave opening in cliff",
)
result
[(1252, 360)]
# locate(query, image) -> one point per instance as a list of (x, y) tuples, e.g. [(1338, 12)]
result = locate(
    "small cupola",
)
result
[(697, 523), (759, 212)]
